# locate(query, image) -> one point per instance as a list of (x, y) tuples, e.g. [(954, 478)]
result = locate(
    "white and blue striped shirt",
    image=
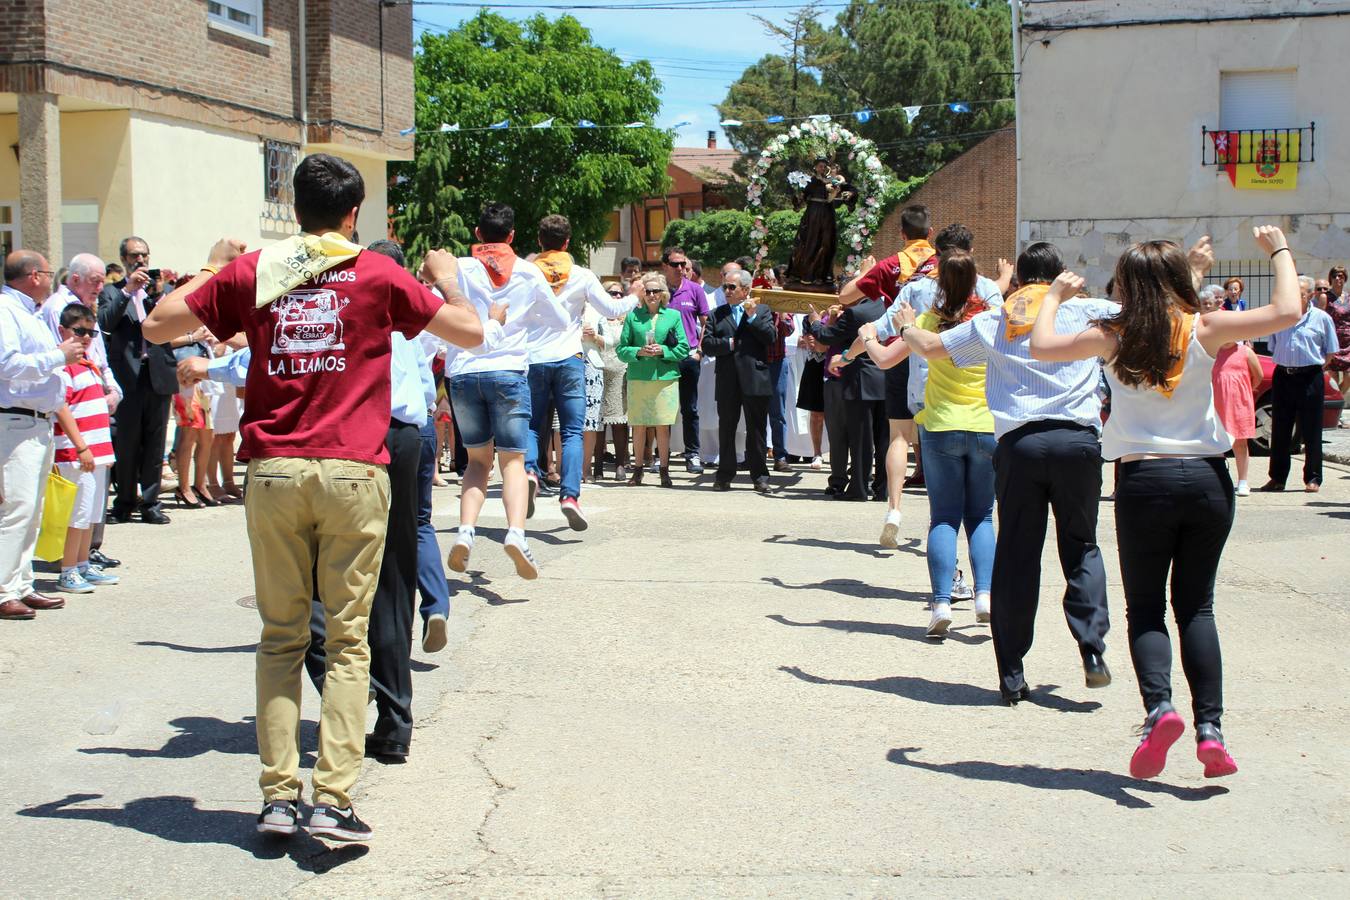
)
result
[(919, 293), (1019, 389)]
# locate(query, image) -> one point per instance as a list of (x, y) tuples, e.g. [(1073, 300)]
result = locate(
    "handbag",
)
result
[(57, 505)]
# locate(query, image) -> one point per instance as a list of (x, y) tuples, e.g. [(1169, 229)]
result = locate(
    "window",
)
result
[(656, 223), (9, 227), (243, 15), (1258, 100), (612, 236), (279, 162)]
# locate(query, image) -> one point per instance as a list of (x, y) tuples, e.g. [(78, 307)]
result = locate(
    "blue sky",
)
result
[(696, 53)]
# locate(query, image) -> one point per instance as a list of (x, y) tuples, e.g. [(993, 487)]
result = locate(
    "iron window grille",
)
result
[(1225, 146), (279, 162)]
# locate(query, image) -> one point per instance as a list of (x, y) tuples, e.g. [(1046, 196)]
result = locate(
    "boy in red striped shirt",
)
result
[(84, 453)]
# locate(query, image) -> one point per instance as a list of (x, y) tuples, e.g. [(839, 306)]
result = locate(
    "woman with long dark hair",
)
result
[(956, 438), (1174, 499)]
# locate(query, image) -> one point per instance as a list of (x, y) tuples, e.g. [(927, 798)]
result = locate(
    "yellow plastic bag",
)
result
[(56, 510)]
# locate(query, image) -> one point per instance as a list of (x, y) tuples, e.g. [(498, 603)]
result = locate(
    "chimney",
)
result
[(712, 140)]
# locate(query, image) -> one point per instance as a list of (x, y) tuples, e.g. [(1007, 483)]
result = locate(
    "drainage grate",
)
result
[(249, 602)]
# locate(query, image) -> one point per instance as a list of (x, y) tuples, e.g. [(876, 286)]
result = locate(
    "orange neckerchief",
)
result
[(556, 266), (911, 257), (1021, 308), (1181, 337), (498, 259)]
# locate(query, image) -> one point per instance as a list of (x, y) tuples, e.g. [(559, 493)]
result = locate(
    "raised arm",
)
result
[(1286, 308), (171, 315), (1049, 346)]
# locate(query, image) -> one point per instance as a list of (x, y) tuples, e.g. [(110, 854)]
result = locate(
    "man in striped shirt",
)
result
[(84, 452)]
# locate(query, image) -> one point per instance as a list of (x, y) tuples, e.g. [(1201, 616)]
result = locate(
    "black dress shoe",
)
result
[(721, 485), (763, 486), (388, 752), (119, 518), (1095, 671), (98, 558), (857, 498), (154, 517), (1013, 699), (831, 491)]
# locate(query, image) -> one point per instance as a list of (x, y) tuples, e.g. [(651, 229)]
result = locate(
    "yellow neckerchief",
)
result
[(1182, 326), (911, 256), (287, 264), (1021, 308), (556, 266), (498, 259)]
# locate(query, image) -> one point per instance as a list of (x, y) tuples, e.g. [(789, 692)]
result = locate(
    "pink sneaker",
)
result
[(1210, 750), (572, 511), (1160, 730)]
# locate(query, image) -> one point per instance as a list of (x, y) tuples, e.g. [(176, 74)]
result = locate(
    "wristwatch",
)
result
[(901, 333)]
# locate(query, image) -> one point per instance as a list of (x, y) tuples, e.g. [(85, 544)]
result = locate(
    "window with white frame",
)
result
[(243, 15), (9, 227)]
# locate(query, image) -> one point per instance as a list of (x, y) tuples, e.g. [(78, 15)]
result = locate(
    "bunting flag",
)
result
[(774, 120), (727, 123), (547, 123), (446, 126), (586, 123), (504, 123), (911, 113), (636, 125), (819, 117), (1270, 152), (958, 107), (863, 116), (407, 131), (680, 125)]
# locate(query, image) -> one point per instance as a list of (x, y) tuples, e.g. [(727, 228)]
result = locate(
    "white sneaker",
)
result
[(433, 641), (961, 590), (817, 463), (1243, 490), (941, 621), (459, 554), (890, 531), (982, 607), (519, 550)]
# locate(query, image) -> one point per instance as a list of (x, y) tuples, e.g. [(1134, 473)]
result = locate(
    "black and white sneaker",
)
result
[(278, 817), (337, 824)]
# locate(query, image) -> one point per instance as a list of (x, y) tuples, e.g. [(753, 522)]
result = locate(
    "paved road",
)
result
[(705, 695)]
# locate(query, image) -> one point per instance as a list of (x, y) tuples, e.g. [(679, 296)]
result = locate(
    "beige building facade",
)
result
[(1116, 106), (190, 130)]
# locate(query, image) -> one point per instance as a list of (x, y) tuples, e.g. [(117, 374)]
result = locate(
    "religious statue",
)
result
[(812, 265)]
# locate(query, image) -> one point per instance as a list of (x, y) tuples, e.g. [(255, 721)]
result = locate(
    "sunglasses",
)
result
[(83, 332), (616, 293), (656, 293), (679, 264)]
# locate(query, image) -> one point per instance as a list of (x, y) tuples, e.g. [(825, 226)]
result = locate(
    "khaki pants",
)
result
[(308, 518)]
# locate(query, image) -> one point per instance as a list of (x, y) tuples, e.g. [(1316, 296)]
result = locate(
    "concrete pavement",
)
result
[(703, 695)]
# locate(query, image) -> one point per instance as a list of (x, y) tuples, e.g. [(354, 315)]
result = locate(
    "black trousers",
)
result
[(1297, 397), (689, 369), (1039, 467), (756, 411), (836, 429), (391, 612), (1174, 514), (868, 441), (142, 423)]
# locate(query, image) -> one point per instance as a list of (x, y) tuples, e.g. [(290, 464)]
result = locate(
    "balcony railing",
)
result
[(1221, 147)]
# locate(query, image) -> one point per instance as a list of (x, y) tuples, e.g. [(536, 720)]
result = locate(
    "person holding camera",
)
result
[(148, 376)]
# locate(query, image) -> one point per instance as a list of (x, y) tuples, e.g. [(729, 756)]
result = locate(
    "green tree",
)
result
[(491, 68)]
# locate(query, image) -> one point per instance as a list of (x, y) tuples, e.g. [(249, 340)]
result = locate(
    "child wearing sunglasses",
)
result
[(84, 453)]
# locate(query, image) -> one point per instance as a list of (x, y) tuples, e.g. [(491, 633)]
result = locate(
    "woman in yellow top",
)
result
[(956, 435)]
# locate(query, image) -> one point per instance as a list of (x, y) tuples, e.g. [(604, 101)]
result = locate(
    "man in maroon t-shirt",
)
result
[(313, 434)]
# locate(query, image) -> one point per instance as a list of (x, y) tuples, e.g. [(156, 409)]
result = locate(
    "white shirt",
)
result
[(532, 308), (547, 343), (30, 362), (98, 350)]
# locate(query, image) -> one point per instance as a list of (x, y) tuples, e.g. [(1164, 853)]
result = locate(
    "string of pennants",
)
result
[(862, 116)]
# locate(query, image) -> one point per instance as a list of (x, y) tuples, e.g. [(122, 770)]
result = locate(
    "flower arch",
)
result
[(865, 171)]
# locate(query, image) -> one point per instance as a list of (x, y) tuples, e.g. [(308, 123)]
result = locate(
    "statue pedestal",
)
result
[(793, 301)]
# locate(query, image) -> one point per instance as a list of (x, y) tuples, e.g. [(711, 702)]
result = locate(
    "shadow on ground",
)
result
[(183, 648), (198, 735), (917, 633), (180, 820), (945, 693), (1107, 785), (849, 587), (911, 546)]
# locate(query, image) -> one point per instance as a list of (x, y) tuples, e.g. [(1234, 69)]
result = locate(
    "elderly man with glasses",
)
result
[(30, 393), (689, 300)]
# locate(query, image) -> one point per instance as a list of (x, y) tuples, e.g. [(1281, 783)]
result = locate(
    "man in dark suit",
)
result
[(864, 400), (738, 337), (148, 376)]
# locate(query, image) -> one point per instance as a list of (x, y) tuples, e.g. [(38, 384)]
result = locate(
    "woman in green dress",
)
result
[(652, 343)]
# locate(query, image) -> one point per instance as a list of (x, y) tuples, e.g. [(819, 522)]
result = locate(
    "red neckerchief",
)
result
[(498, 259)]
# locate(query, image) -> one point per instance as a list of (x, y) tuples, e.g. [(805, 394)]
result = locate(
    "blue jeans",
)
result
[(559, 385), (431, 581), (958, 467), (778, 375), (492, 407)]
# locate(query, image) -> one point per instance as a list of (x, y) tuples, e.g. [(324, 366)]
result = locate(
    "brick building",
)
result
[(977, 189), (180, 121)]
